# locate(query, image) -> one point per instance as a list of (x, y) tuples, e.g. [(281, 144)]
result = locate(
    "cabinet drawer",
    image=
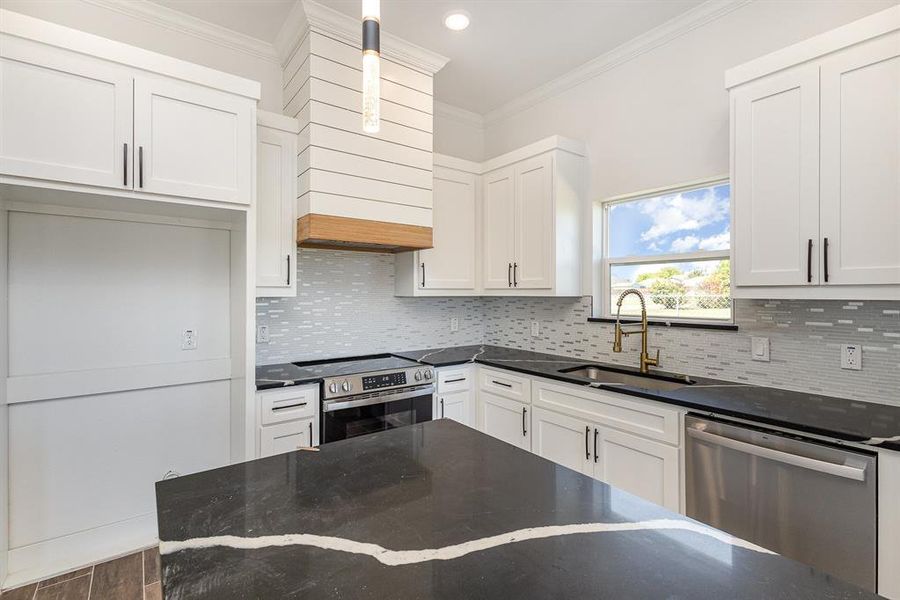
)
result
[(452, 379), (278, 406), (503, 383), (287, 437), (646, 418)]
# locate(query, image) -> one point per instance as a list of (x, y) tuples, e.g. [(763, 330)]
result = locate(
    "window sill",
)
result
[(686, 324)]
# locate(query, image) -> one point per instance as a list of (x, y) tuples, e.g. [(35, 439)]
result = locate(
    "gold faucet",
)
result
[(646, 361)]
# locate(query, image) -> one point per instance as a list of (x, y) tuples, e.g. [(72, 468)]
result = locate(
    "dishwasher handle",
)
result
[(845, 471)]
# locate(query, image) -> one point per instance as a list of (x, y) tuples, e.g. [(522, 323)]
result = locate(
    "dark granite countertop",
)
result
[(288, 374), (389, 515), (837, 418)]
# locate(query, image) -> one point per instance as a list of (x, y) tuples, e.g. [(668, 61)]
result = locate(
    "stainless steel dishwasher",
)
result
[(810, 501)]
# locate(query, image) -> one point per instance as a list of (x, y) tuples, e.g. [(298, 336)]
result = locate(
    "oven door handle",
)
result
[(340, 404)]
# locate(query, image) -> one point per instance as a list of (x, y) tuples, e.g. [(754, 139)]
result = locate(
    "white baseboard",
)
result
[(50, 558)]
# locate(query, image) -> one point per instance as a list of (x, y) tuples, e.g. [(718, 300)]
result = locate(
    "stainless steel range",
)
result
[(374, 394)]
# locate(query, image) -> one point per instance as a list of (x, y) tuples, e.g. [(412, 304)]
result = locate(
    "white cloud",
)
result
[(683, 244), (716, 242), (670, 214)]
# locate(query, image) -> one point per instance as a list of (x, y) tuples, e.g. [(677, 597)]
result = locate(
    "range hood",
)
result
[(346, 233), (358, 190)]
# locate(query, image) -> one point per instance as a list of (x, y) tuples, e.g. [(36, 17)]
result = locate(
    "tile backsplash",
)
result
[(345, 305)]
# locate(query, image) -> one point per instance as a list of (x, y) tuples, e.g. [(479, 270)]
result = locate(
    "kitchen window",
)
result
[(674, 246)]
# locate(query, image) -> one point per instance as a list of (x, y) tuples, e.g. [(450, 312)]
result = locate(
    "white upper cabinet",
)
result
[(450, 265), (775, 185), (276, 205), (860, 197), (79, 110), (815, 154), (64, 116), (193, 141), (532, 268), (499, 228)]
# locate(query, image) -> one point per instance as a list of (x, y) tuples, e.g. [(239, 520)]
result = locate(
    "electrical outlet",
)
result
[(851, 357), (759, 348), (454, 324), (535, 329), (189, 339), (262, 334)]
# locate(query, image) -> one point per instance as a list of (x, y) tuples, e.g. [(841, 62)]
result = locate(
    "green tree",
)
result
[(670, 293), (663, 273), (716, 288)]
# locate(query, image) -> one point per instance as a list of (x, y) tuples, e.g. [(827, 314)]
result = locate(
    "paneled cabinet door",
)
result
[(193, 141), (456, 406), (861, 163), (775, 183), (533, 264), (499, 198), (64, 116), (287, 437), (450, 265), (563, 439), (639, 466), (275, 212), (505, 419)]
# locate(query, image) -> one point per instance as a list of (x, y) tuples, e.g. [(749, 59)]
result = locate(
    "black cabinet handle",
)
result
[(125, 163), (311, 444), (524, 416), (809, 262), (515, 274), (506, 385), (457, 380), (509, 275), (140, 166), (596, 433), (288, 406), (289, 269), (825, 247), (587, 435), (423, 274), (442, 408)]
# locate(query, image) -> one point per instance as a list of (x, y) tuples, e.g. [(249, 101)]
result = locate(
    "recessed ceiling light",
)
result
[(456, 20)]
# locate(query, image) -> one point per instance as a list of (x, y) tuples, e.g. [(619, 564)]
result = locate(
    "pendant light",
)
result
[(371, 68)]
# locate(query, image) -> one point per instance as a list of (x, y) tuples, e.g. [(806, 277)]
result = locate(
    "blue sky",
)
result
[(682, 222)]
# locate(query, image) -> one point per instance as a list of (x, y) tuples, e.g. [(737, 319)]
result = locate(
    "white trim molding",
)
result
[(458, 115), (670, 30), (343, 27), (161, 16)]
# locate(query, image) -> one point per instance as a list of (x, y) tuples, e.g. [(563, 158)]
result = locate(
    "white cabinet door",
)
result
[(193, 141), (505, 419), (276, 203), (287, 437), (455, 405), (499, 227), (861, 163), (775, 187), (563, 439), (64, 116), (639, 466), (450, 265), (533, 263)]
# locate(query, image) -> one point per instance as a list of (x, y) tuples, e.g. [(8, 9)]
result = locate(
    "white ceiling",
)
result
[(511, 46)]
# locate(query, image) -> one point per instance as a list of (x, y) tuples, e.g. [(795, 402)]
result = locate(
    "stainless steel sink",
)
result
[(612, 377)]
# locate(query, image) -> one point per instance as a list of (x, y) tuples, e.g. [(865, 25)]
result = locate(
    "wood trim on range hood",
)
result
[(346, 233)]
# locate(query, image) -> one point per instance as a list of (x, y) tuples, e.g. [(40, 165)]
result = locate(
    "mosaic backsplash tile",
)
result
[(346, 306)]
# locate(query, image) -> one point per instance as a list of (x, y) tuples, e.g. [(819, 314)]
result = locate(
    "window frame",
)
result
[(605, 304)]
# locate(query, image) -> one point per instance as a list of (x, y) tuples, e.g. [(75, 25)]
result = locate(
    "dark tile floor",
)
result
[(132, 577)]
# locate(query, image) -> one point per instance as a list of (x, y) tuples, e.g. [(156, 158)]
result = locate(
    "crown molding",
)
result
[(459, 115), (670, 30), (343, 27), (161, 16)]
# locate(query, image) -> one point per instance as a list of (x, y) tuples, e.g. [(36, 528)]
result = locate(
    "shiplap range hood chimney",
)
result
[(358, 190)]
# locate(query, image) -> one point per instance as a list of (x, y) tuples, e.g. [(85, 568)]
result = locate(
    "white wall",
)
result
[(662, 118), (122, 27), (458, 132), (4, 429)]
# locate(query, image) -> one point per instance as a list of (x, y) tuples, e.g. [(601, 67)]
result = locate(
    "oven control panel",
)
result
[(383, 380)]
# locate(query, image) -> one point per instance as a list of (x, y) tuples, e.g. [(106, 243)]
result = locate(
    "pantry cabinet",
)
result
[(815, 154), (142, 123), (276, 205)]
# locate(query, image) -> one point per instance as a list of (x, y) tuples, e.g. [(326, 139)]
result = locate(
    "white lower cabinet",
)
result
[(563, 439), (288, 419), (505, 419), (455, 405)]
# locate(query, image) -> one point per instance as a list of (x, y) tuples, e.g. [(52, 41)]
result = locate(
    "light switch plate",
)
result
[(759, 348), (454, 324), (851, 357), (535, 329), (189, 339), (262, 334)]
